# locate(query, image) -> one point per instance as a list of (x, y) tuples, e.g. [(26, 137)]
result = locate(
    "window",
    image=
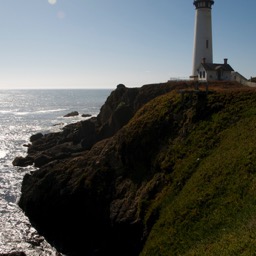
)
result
[(207, 44), (203, 74)]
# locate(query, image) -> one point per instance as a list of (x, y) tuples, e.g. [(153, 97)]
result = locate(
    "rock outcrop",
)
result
[(118, 109), (73, 113), (101, 181), (13, 254), (83, 186)]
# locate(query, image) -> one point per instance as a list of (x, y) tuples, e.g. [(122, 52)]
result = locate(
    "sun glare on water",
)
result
[(52, 1)]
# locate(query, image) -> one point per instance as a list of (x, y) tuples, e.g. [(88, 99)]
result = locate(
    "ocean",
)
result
[(22, 114)]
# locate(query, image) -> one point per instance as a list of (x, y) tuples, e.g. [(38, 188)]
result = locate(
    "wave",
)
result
[(50, 110), (46, 111), (6, 111), (3, 154)]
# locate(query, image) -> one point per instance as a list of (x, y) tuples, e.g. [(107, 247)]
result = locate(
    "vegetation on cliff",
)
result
[(177, 178), (208, 207)]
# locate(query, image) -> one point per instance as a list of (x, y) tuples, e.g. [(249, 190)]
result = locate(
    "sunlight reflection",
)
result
[(52, 1)]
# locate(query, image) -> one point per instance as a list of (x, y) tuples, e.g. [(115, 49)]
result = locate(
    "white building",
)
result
[(214, 71)]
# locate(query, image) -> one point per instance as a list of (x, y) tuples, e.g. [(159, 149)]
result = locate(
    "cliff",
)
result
[(162, 170)]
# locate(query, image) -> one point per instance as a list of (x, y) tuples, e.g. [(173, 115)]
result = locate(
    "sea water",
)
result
[(22, 114)]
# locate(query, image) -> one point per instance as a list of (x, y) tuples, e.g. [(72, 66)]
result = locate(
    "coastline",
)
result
[(111, 177)]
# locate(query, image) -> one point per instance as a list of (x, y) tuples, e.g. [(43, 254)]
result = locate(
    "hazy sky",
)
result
[(101, 43)]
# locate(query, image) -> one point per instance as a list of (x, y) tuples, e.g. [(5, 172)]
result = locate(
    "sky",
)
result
[(102, 43)]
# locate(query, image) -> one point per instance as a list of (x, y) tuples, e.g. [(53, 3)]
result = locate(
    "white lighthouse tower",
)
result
[(203, 34)]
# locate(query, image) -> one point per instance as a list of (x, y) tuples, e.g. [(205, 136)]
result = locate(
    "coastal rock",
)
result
[(13, 254), (90, 189), (119, 108), (114, 177), (35, 137), (86, 115), (73, 113), (23, 161), (42, 160)]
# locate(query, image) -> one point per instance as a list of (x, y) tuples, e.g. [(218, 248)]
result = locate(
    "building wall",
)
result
[(235, 76), (226, 76), (202, 74), (212, 75)]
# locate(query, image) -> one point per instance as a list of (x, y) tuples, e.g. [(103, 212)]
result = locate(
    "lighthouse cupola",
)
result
[(203, 3), (203, 48)]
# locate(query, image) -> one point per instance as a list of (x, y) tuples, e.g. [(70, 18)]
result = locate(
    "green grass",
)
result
[(209, 204)]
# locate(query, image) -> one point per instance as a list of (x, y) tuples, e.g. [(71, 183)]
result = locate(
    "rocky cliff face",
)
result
[(118, 109), (85, 198), (101, 181)]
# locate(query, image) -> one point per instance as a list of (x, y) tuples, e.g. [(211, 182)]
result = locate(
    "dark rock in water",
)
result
[(26, 145), (86, 115), (13, 254), (73, 113), (23, 161), (36, 137), (58, 124)]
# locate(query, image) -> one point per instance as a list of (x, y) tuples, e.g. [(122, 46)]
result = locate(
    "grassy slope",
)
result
[(209, 204)]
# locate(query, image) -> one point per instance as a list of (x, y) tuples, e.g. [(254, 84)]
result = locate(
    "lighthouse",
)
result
[(203, 34)]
